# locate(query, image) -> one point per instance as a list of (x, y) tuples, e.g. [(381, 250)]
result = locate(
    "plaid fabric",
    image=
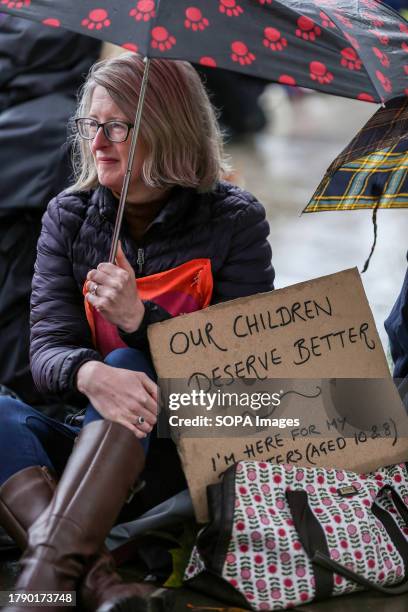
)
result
[(372, 171)]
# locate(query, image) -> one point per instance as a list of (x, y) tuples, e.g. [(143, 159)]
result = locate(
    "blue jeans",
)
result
[(28, 437)]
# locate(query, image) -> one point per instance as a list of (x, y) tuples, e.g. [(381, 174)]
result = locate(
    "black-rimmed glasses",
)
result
[(115, 131)]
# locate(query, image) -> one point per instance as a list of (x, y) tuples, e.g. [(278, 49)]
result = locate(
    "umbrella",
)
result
[(342, 47), (372, 171)]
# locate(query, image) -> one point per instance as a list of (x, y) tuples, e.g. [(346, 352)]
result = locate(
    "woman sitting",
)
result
[(178, 209)]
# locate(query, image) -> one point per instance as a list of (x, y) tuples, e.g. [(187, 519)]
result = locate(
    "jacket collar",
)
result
[(178, 204)]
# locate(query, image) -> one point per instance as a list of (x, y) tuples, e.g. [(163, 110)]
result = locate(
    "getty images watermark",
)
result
[(221, 400)]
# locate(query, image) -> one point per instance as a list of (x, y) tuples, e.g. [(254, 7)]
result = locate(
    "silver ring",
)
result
[(140, 420), (94, 289)]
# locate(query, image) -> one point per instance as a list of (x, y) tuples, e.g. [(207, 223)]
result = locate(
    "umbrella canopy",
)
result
[(372, 171), (343, 47)]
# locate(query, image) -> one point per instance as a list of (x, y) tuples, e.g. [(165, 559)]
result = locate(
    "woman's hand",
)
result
[(111, 289), (120, 395)]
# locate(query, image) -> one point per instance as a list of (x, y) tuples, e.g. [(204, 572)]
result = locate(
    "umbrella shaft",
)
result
[(128, 174)]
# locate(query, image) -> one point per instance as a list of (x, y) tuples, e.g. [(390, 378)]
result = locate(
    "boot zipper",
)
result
[(140, 260)]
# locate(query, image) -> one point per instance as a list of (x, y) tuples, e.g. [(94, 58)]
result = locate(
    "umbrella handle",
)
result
[(128, 173)]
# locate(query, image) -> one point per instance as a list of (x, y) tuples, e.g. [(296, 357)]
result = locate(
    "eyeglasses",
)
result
[(115, 131)]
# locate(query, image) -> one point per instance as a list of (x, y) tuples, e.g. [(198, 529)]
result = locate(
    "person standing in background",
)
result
[(41, 70)]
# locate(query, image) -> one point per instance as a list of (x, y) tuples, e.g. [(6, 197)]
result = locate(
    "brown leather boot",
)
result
[(23, 497), (102, 588)]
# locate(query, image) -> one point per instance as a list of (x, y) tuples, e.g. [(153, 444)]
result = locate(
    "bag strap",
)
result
[(399, 504), (391, 527), (312, 536), (213, 540), (314, 542)]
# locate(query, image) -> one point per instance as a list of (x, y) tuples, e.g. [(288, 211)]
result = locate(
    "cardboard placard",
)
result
[(314, 330)]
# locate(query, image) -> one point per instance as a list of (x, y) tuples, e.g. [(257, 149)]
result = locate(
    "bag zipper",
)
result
[(140, 260)]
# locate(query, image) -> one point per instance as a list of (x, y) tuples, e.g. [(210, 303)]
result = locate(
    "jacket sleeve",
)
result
[(60, 336), (247, 269), (153, 314)]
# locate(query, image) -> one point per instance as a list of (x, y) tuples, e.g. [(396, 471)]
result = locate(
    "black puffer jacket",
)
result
[(227, 226)]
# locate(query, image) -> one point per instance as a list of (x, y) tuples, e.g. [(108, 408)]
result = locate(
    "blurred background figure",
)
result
[(40, 71), (236, 96)]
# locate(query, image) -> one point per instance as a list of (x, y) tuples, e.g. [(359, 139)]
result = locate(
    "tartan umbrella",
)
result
[(343, 47), (372, 171)]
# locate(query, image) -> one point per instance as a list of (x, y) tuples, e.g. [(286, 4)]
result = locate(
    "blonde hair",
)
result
[(179, 127)]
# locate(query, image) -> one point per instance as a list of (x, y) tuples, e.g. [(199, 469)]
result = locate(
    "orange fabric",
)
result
[(180, 290)]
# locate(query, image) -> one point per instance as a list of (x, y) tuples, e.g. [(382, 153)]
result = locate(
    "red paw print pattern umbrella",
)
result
[(352, 48), (357, 49)]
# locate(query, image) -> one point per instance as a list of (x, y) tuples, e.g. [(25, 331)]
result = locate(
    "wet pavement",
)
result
[(187, 600), (284, 164)]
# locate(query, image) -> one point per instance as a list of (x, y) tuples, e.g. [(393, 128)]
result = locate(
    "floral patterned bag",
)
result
[(282, 535)]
